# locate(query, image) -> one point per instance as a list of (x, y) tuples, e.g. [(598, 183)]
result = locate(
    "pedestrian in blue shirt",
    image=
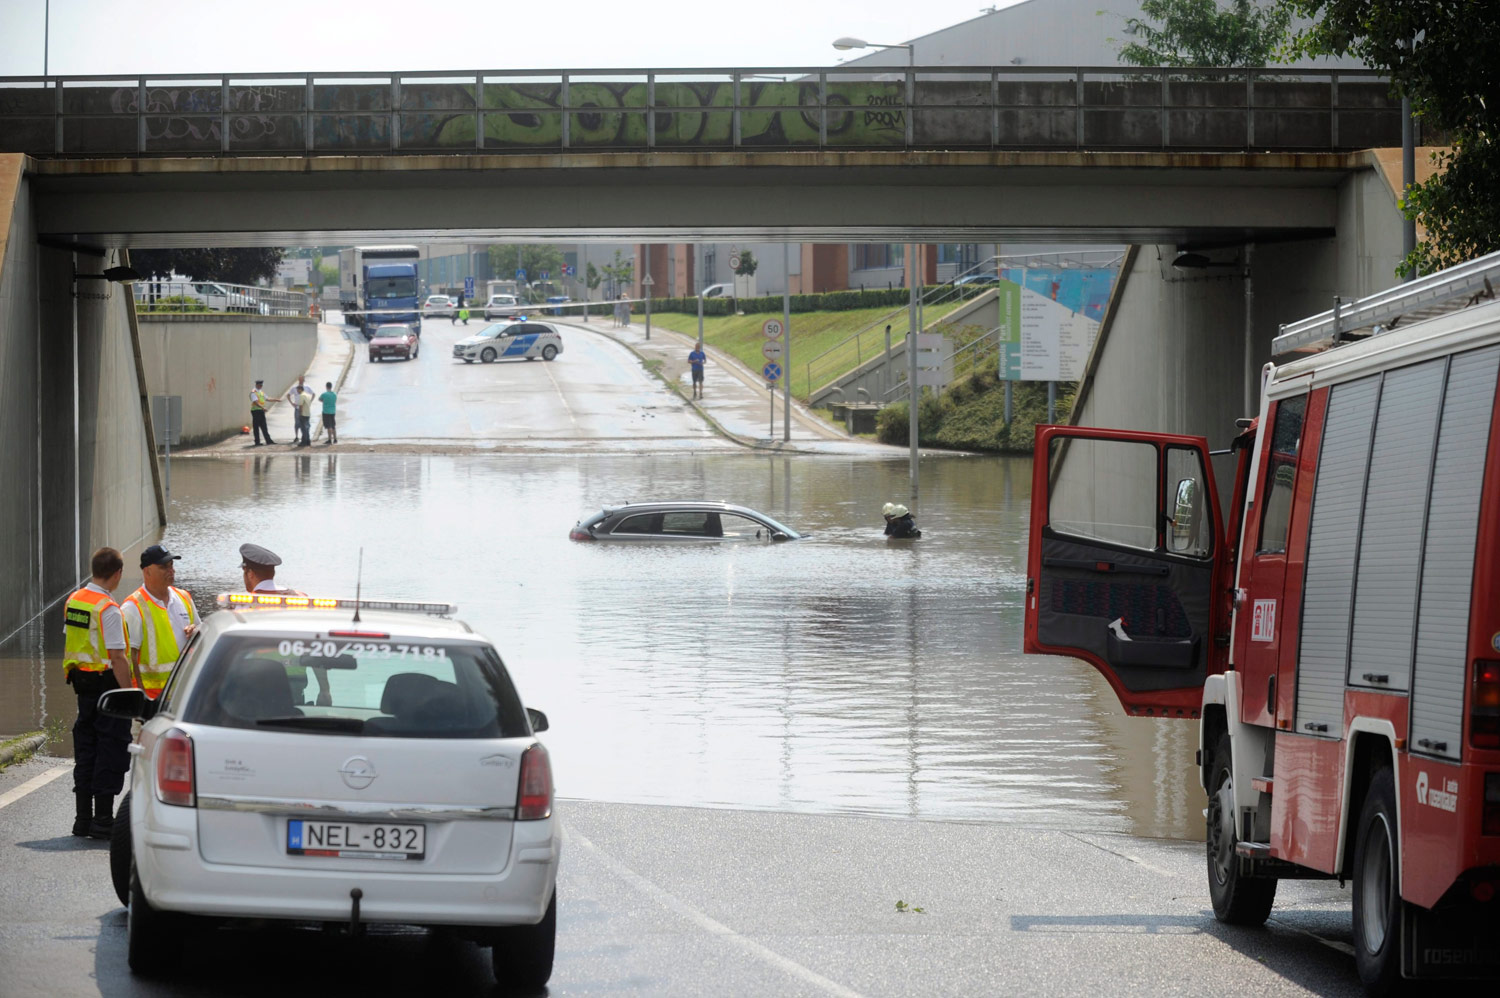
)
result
[(695, 360)]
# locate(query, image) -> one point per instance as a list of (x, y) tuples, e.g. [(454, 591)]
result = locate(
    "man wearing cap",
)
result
[(258, 565), (159, 619), (258, 413)]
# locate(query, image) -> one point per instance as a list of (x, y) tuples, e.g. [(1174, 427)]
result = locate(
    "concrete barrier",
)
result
[(72, 438), (212, 361)]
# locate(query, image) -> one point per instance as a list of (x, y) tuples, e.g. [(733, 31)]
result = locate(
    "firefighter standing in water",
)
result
[(159, 619), (94, 644)]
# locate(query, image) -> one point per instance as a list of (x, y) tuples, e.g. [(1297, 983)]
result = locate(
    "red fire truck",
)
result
[(1336, 633)]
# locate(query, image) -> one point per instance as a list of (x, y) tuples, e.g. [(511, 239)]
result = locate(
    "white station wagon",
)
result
[(314, 760)]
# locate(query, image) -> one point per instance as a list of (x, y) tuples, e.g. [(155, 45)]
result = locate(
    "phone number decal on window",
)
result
[(332, 649)]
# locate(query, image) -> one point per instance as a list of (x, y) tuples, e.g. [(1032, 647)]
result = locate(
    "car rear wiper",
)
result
[(353, 725)]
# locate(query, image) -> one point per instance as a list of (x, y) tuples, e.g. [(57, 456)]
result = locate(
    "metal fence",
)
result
[(215, 296), (1110, 108)]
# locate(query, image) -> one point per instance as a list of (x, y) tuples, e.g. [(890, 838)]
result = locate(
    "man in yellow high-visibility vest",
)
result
[(159, 619), (258, 413), (94, 643)]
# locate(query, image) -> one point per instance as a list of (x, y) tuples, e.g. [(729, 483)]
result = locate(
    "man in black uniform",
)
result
[(899, 522), (94, 645)]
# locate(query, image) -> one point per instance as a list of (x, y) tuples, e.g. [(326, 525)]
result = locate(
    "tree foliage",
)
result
[(618, 274), (591, 276), (1441, 55), (532, 258), (245, 265), (1206, 33), (748, 264)]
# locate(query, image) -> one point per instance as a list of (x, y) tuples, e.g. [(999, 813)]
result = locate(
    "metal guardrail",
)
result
[(1110, 108), (159, 297), (1422, 298)]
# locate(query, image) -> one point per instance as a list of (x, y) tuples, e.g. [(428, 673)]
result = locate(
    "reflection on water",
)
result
[(837, 673)]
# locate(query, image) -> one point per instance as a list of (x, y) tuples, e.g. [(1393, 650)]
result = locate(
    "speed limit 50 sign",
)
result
[(772, 329)]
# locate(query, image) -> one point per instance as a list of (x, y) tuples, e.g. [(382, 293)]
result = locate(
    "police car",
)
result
[(339, 762), (510, 340)]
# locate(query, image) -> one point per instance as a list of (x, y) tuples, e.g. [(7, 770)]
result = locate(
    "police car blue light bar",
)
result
[(276, 601)]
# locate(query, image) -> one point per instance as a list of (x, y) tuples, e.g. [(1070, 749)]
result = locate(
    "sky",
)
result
[(91, 37)]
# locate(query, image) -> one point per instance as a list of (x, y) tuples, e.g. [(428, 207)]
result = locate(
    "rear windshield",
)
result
[(397, 688)]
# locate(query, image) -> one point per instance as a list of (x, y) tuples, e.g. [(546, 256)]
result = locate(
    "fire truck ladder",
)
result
[(1422, 298)]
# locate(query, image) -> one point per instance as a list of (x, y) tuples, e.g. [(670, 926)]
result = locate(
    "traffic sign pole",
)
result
[(786, 332)]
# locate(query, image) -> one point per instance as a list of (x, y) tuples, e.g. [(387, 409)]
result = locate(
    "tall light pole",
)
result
[(846, 43), (914, 323)]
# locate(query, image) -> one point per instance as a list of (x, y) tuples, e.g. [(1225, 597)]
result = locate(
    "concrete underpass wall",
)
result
[(59, 501), (213, 360), (1173, 357), (20, 488)]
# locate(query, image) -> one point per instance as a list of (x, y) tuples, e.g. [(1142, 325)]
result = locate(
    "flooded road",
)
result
[(840, 674)]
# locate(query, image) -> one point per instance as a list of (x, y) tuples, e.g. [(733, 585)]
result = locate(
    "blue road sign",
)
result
[(772, 371), (520, 275), (468, 287)]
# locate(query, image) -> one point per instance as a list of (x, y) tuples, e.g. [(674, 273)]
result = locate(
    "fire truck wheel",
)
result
[(1237, 899), (1377, 889)]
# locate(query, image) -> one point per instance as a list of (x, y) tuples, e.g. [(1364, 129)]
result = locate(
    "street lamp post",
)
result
[(846, 43), (646, 284)]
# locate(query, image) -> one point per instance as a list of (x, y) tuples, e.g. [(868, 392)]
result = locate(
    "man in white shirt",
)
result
[(259, 567), (159, 619), (301, 414)]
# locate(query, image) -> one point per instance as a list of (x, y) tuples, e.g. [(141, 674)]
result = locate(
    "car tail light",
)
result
[(174, 769), (1491, 823), (534, 799), (1484, 706), (579, 534)]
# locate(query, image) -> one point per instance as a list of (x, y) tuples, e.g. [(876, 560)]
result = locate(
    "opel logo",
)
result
[(357, 772)]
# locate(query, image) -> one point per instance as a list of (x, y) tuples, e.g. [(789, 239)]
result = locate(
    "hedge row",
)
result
[(970, 415), (829, 301)]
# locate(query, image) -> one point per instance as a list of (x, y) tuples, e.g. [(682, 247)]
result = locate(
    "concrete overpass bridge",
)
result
[(1271, 164)]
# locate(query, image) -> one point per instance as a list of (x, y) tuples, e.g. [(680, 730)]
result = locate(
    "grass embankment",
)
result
[(968, 415), (813, 334)]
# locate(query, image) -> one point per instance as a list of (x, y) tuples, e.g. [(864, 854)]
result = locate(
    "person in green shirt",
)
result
[(330, 401)]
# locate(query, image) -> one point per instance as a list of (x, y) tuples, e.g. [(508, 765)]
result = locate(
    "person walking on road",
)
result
[(94, 644), (159, 619), (458, 307), (258, 413), (301, 413), (696, 358), (330, 402)]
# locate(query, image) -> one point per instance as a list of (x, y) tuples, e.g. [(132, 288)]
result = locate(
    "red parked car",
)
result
[(393, 340)]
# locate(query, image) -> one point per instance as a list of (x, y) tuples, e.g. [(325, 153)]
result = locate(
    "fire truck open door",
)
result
[(1124, 562)]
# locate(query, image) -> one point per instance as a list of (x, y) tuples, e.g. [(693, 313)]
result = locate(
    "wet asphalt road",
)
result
[(684, 900), (688, 901), (595, 395)]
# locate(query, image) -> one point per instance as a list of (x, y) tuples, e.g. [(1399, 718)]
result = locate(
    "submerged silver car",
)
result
[(691, 522)]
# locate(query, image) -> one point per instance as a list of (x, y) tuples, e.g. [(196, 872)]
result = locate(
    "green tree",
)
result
[(325, 276), (748, 264), (1206, 33), (246, 265), (591, 278), (620, 273), (1440, 55), (533, 258)]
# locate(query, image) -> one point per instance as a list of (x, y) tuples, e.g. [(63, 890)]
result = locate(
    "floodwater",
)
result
[(840, 673)]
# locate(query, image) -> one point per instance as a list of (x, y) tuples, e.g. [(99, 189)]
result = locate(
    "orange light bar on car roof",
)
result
[(276, 601)]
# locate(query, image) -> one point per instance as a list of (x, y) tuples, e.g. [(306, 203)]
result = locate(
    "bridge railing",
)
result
[(215, 296), (1101, 109)]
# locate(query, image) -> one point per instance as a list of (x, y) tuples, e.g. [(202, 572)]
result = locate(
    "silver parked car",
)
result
[(691, 522)]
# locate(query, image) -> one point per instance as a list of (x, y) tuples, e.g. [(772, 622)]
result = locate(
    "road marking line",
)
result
[(1123, 855), (558, 388), (709, 925), (35, 783)]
